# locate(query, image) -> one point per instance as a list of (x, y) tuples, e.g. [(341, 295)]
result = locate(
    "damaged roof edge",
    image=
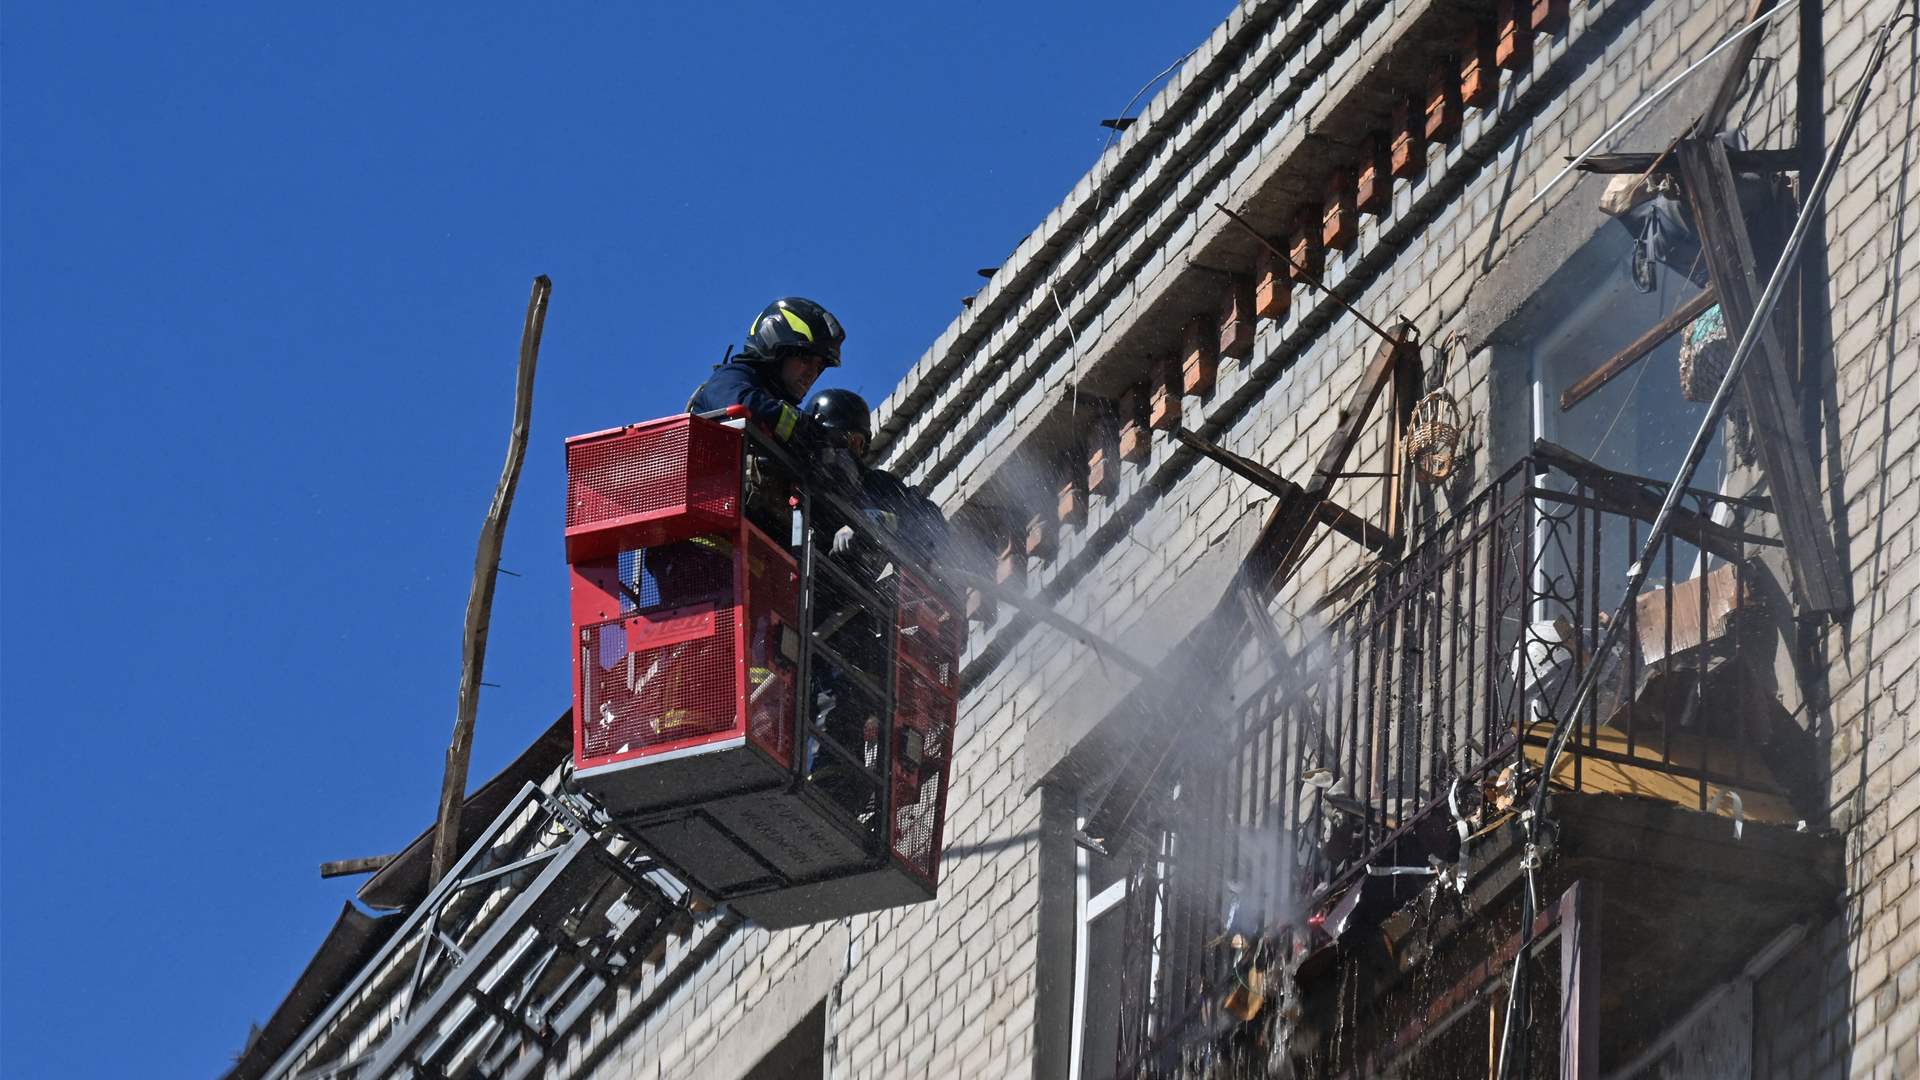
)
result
[(403, 882), (356, 936)]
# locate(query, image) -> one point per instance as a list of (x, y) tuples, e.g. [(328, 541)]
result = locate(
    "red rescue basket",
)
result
[(772, 721)]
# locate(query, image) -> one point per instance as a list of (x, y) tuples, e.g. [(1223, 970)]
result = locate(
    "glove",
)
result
[(843, 540)]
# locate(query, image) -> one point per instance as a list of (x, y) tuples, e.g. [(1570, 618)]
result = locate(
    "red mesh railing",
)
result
[(929, 632), (923, 719), (667, 672), (773, 644), (680, 475), (925, 670)]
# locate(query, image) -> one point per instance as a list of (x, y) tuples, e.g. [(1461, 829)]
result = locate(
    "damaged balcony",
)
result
[(1362, 853)]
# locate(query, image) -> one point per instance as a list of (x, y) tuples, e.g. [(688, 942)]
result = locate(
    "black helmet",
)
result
[(793, 326), (840, 410)]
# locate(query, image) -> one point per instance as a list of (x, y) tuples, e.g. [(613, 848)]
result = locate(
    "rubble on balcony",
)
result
[(1390, 788)]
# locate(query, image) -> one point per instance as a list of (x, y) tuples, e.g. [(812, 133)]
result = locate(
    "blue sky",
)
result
[(262, 271)]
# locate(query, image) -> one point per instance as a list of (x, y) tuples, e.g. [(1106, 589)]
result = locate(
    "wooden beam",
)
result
[(1640, 497), (1715, 117), (1677, 319), (1354, 416), (350, 867), (1742, 160), (1333, 515), (1284, 542), (1269, 562), (1819, 580), (1407, 378), (486, 566)]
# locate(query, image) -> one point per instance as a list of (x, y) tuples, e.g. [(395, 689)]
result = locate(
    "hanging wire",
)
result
[(1099, 187), (1637, 573), (1647, 102), (1627, 400), (1091, 235), (1073, 336)]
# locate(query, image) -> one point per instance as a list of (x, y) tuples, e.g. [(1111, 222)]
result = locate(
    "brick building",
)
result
[(1308, 754)]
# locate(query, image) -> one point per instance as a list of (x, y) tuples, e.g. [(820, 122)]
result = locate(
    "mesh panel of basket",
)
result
[(923, 720), (773, 608), (653, 468), (634, 695)]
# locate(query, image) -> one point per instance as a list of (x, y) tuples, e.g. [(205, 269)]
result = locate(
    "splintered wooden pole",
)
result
[(1820, 581), (486, 567), (1284, 539), (1407, 377), (1275, 554)]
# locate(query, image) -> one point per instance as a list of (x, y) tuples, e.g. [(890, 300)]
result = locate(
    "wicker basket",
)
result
[(1433, 438)]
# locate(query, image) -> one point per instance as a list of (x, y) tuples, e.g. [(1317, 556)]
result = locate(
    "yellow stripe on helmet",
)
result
[(799, 324)]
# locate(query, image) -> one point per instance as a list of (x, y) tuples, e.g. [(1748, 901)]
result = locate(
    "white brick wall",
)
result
[(950, 988)]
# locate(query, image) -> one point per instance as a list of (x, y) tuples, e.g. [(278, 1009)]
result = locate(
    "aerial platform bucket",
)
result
[(796, 766)]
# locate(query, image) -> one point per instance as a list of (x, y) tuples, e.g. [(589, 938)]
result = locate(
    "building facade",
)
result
[(1253, 718)]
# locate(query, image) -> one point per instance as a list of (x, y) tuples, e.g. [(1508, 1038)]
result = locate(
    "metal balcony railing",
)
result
[(1447, 671)]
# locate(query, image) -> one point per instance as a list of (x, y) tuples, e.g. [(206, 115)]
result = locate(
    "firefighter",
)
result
[(887, 501), (842, 711), (791, 342)]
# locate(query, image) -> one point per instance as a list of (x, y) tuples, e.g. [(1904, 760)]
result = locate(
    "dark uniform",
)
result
[(788, 328), (907, 514), (756, 384), (700, 567), (845, 712)]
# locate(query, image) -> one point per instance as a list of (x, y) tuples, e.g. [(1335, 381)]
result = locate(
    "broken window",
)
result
[(1640, 422)]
